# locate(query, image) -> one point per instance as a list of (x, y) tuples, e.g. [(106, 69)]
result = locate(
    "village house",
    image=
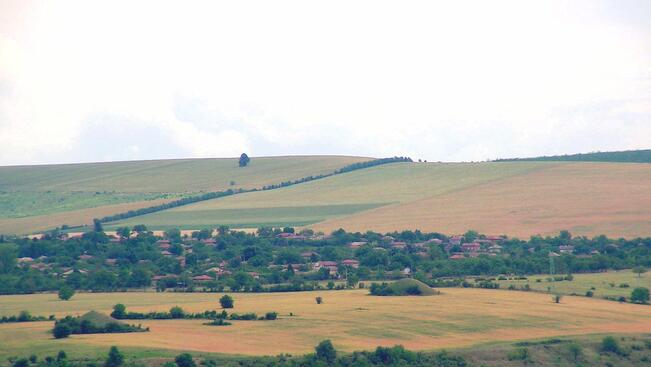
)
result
[(358, 244), (457, 256), (351, 263), (202, 278), (330, 265), (24, 260), (566, 249), (85, 257), (495, 249), (308, 255), (471, 247), (399, 245)]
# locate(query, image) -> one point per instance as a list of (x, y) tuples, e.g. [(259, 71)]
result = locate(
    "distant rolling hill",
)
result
[(625, 156), (35, 198), (513, 198), (518, 198)]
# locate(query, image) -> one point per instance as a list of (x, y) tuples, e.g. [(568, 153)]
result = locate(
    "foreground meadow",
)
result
[(352, 319)]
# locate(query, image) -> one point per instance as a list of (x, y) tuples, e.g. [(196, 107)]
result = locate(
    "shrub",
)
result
[(23, 362), (520, 354), (325, 351), (621, 299), (33, 358), (589, 293), (610, 345), (184, 360), (271, 316), (640, 295), (61, 355), (557, 298), (319, 300), (624, 285), (218, 322), (226, 301)]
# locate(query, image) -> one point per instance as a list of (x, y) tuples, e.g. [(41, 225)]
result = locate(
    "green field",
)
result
[(244, 217), (87, 190), (607, 284)]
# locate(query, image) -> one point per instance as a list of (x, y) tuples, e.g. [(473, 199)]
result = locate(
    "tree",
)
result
[(97, 225), (640, 295), (639, 270), (8, 258), (325, 351), (123, 232), (119, 311), (140, 228), (61, 356), (173, 234), (61, 331), (177, 312), (244, 160), (226, 301), (222, 230), (319, 300), (352, 280), (65, 293), (184, 360), (610, 345), (575, 350), (23, 362), (115, 358)]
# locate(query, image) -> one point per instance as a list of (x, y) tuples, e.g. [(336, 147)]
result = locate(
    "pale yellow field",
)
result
[(351, 319), (584, 198)]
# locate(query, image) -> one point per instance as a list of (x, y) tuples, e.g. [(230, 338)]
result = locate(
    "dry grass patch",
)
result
[(352, 319)]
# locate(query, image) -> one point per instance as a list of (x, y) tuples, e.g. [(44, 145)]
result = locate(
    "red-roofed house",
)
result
[(351, 262), (471, 247), (202, 278)]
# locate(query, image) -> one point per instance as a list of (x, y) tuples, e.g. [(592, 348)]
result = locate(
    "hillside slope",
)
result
[(335, 196), (514, 198), (35, 198)]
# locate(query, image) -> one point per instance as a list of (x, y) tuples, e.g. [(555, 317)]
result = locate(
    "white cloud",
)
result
[(465, 80)]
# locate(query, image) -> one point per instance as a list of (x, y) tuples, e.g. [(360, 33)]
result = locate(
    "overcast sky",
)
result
[(457, 80)]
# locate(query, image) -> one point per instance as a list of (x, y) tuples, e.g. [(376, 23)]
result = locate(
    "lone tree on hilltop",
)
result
[(244, 160)]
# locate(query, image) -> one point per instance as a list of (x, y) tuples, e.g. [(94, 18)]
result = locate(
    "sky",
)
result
[(84, 81)]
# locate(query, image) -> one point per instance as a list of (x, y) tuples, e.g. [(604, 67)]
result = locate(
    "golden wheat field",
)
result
[(352, 319)]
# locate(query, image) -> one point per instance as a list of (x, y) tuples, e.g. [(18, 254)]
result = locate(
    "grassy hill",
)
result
[(514, 198), (35, 198)]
